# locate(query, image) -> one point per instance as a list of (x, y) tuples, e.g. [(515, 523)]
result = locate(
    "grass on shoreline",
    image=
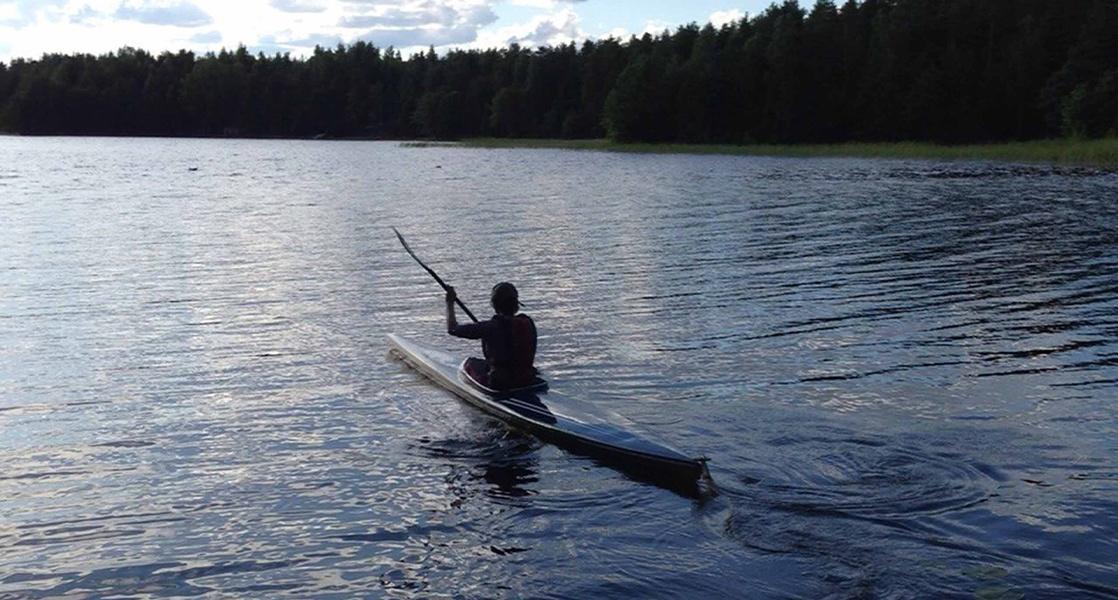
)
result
[(1099, 153)]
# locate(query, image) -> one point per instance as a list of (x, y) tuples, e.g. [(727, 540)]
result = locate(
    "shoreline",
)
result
[(1067, 152), (1097, 153)]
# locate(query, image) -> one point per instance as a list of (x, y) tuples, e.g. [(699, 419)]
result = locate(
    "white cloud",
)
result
[(719, 18), (298, 6), (656, 27), (177, 14), (94, 38), (543, 4), (206, 37), (618, 32), (420, 37), (424, 14), (310, 41), (19, 13), (544, 30), (9, 12), (416, 24)]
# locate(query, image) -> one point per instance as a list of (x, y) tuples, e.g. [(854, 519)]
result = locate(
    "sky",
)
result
[(30, 28)]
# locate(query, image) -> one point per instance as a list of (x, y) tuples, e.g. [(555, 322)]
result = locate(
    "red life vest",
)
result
[(524, 350)]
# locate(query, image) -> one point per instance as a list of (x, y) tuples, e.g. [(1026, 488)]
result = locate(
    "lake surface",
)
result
[(904, 373)]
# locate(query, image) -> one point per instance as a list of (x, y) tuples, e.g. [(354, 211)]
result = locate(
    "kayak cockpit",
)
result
[(472, 372)]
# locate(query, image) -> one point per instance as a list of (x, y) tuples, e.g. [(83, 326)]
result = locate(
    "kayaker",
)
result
[(508, 340)]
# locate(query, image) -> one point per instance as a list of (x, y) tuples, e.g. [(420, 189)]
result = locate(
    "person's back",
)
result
[(508, 340)]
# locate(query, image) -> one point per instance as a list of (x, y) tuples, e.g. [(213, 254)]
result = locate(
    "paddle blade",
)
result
[(403, 242)]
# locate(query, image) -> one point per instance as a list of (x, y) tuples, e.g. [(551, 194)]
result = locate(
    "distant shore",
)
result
[(1101, 153), (1096, 153)]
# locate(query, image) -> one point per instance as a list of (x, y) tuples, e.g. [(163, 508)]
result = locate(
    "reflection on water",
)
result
[(903, 373)]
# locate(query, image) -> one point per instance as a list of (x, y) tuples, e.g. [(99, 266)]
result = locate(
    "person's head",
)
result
[(505, 299)]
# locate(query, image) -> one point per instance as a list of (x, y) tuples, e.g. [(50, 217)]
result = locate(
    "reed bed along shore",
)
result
[(1096, 153)]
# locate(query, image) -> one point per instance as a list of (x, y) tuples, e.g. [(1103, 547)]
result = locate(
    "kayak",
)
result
[(554, 417)]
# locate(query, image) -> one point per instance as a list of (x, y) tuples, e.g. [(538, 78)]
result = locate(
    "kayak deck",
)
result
[(556, 418)]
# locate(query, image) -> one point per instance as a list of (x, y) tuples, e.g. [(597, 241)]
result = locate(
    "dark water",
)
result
[(904, 373)]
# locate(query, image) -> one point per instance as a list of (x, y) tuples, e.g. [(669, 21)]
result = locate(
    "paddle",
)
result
[(433, 274)]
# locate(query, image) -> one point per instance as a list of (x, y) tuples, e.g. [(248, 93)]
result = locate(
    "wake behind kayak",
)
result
[(558, 419)]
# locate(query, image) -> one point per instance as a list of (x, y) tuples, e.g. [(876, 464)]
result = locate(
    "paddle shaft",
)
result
[(433, 274)]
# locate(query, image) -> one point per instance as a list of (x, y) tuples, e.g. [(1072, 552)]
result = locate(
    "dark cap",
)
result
[(505, 298)]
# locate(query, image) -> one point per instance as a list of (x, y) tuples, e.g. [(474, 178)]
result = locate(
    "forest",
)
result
[(944, 71)]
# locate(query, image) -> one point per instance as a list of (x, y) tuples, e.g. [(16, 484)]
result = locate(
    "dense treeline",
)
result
[(878, 70)]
